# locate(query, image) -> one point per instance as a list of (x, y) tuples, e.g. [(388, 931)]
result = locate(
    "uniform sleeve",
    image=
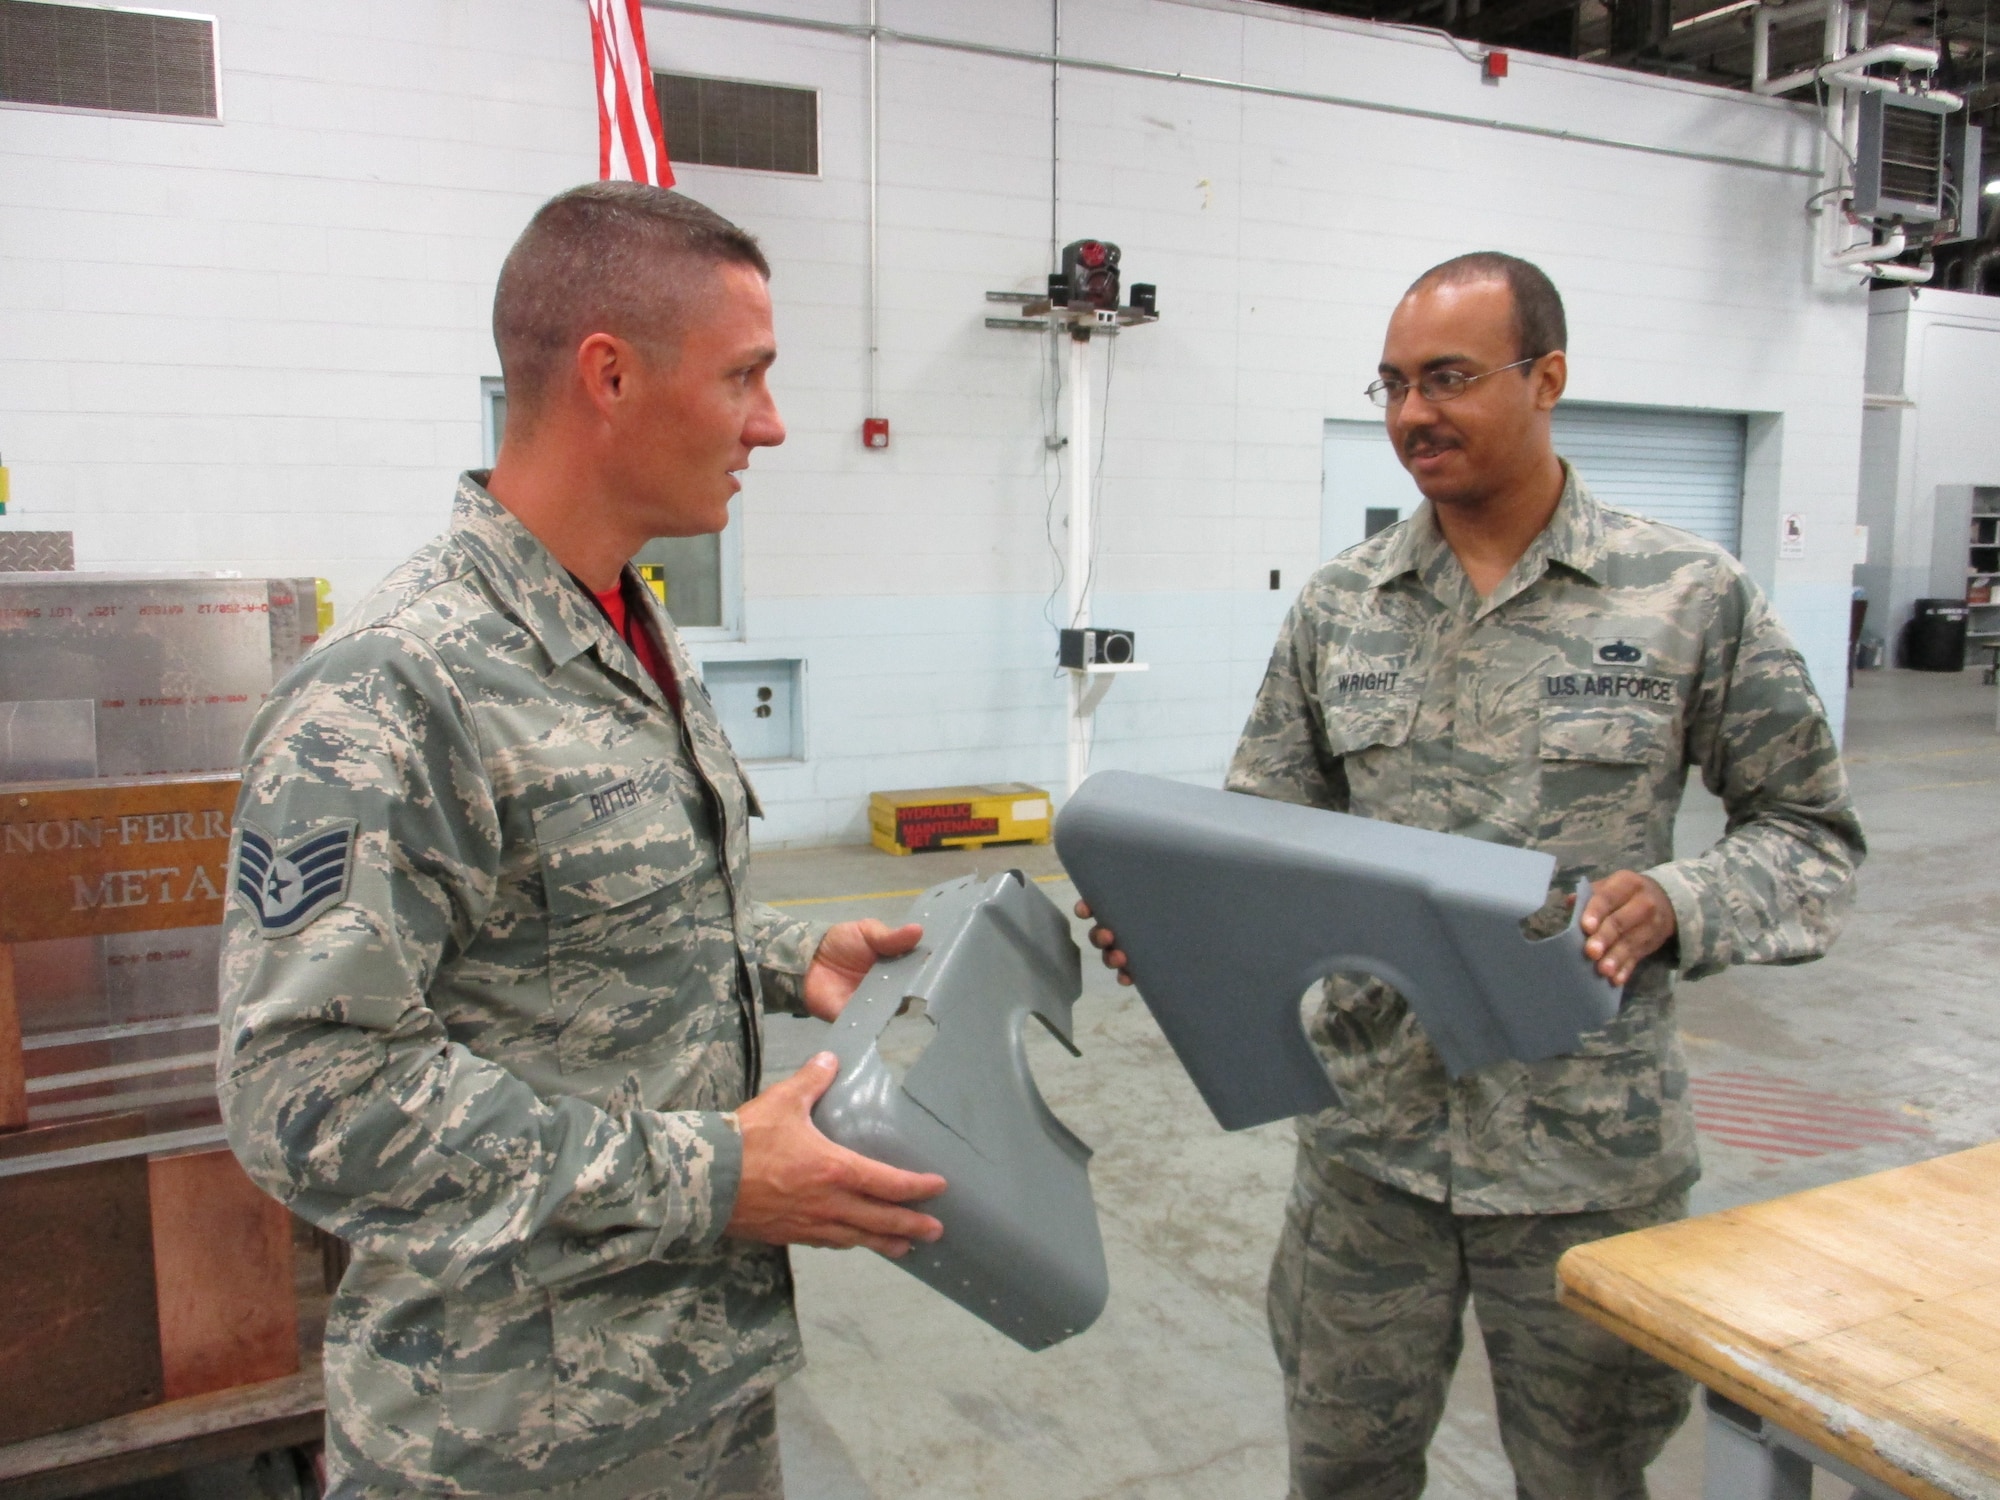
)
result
[(341, 1092), (1283, 752), (785, 948), (1776, 886)]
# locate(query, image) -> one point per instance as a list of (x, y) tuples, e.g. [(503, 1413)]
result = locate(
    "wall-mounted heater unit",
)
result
[(1899, 159)]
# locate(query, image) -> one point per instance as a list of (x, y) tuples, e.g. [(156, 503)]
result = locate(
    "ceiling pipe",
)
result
[(1871, 253), (1844, 72), (1234, 85)]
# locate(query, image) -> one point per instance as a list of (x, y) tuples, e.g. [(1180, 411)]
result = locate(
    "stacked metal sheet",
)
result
[(173, 667), (124, 700)]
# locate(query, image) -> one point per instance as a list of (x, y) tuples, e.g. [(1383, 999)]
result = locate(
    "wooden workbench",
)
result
[(1861, 1318)]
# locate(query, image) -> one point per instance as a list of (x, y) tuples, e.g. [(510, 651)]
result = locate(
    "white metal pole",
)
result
[(1079, 552)]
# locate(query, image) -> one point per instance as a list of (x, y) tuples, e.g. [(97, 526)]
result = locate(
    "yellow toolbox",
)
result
[(958, 817)]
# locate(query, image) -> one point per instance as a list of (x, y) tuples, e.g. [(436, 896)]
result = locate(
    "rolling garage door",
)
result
[(1681, 467)]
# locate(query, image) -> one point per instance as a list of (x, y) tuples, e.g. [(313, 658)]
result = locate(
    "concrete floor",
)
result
[(1174, 1392)]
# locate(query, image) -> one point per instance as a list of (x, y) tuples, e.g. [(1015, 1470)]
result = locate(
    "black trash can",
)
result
[(1934, 640)]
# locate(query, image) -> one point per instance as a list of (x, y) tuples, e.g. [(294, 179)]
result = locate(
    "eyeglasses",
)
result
[(1433, 385)]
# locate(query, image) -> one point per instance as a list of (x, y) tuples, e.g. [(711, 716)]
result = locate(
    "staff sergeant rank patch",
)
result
[(285, 888)]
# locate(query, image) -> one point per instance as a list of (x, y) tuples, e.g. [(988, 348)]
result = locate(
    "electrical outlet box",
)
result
[(759, 703), (1964, 154)]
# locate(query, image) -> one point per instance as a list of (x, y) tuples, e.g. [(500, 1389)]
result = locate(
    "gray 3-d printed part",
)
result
[(1228, 906), (1020, 1247)]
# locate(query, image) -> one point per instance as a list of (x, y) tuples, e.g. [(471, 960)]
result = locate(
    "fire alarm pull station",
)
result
[(1495, 66), (875, 432)]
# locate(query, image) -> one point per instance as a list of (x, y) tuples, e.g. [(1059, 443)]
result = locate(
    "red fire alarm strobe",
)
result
[(1495, 65), (875, 432)]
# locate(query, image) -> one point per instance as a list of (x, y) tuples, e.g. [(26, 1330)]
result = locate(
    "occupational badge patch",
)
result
[(1618, 652), (285, 888)]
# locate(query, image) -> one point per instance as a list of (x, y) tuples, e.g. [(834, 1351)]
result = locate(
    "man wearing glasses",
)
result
[(1518, 663)]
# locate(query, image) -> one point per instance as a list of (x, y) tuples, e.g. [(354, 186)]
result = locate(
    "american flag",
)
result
[(630, 145)]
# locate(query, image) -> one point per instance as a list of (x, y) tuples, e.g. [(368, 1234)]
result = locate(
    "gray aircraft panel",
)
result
[(1021, 1248), (1228, 907)]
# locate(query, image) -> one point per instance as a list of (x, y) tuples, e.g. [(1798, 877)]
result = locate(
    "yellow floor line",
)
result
[(1897, 760), (1929, 786), (881, 895)]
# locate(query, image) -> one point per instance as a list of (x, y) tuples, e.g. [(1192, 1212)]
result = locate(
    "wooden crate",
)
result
[(79, 1327), (150, 1275)]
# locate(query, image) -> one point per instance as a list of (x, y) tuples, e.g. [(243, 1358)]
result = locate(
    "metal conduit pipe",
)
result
[(1845, 72), (1870, 254), (874, 219), (1923, 59), (864, 30)]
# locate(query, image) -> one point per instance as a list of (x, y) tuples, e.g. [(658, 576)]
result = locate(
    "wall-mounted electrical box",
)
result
[(761, 706), (1964, 159)]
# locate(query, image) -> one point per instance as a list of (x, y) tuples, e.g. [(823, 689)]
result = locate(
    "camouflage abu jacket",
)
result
[(1562, 713), (490, 987)]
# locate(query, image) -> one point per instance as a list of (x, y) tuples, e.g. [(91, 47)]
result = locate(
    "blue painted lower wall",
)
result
[(940, 691)]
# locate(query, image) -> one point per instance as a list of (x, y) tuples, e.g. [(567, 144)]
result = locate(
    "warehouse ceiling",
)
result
[(1709, 40)]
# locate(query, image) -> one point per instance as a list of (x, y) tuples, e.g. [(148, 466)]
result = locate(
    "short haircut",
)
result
[(623, 258), (1539, 325)]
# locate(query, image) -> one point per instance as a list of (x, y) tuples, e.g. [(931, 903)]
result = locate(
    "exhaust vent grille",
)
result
[(128, 62), (1912, 155), (1899, 158), (722, 122)]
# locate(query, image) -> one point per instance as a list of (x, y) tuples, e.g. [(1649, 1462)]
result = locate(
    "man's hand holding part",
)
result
[(1106, 942), (845, 955), (1628, 918), (799, 1188)]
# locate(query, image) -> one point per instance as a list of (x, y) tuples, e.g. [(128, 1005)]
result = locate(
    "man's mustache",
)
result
[(1427, 437)]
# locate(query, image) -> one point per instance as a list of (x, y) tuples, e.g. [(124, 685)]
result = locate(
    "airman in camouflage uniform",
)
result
[(492, 984), (1562, 712), (1559, 707)]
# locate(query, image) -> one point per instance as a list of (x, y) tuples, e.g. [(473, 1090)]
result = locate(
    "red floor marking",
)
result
[(1795, 1118), (1800, 1106), (1780, 1120)]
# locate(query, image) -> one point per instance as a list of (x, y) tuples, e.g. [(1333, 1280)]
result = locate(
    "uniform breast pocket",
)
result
[(1603, 770), (625, 875), (1370, 737)]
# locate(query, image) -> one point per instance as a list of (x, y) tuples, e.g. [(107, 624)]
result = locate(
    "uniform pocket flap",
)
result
[(1354, 727), (615, 844), (1621, 736)]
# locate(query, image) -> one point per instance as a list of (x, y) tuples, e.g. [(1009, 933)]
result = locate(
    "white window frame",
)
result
[(492, 389)]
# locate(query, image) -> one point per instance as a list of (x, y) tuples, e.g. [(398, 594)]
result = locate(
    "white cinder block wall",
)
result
[(259, 344)]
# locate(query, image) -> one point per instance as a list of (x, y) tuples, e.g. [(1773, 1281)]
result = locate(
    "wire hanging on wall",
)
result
[(1053, 446), (1097, 476)]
